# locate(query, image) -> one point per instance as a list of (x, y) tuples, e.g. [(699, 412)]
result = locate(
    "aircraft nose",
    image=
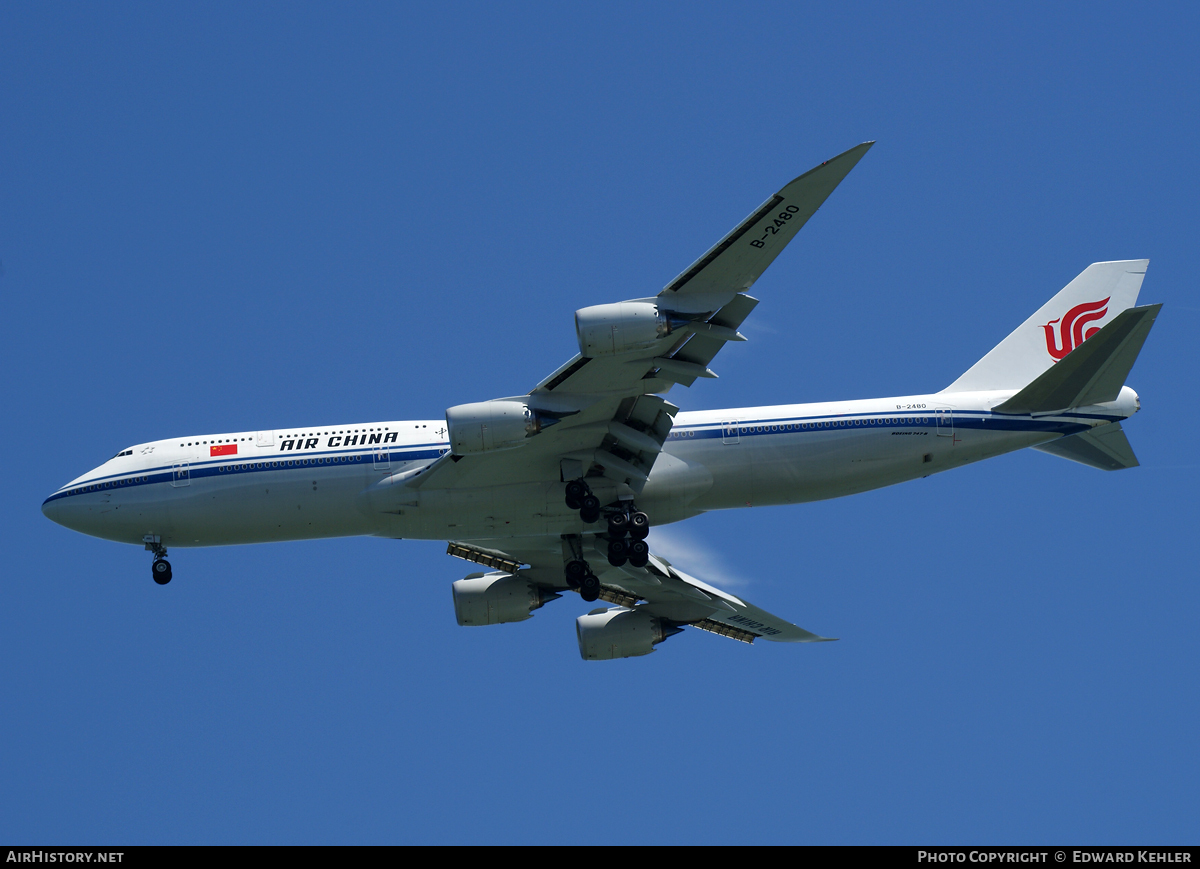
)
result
[(52, 509), (68, 513)]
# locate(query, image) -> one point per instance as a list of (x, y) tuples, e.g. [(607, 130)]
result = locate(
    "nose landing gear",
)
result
[(161, 568)]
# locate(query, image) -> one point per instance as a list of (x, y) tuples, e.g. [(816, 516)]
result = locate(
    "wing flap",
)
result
[(672, 594), (659, 588)]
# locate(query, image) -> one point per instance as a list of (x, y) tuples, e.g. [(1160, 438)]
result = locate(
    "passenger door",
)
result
[(945, 422), (383, 458)]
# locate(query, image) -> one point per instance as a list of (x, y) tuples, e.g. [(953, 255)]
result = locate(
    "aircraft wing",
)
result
[(605, 407), (714, 288), (658, 589), (737, 260)]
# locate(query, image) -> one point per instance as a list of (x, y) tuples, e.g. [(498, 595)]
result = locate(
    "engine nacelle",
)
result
[(606, 330), (496, 598), (620, 633), (492, 425)]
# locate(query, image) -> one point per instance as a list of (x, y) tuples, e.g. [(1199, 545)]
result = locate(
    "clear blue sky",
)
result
[(226, 218)]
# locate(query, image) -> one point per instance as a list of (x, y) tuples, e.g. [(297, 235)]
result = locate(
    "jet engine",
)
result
[(496, 598), (606, 330), (620, 633), (485, 426)]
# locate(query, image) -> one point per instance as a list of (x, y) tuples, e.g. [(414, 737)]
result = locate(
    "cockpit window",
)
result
[(128, 452)]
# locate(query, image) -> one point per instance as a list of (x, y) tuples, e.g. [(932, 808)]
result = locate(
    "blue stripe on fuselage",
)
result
[(982, 420), (277, 462)]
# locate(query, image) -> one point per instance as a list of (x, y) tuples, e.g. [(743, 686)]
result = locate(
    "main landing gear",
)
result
[(627, 526), (580, 576), (636, 525), (580, 497), (161, 569)]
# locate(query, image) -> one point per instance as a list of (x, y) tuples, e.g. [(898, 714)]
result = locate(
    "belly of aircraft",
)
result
[(222, 510), (797, 467)]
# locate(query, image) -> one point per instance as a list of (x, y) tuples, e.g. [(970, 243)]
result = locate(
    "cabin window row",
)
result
[(243, 440), (321, 434), (215, 441), (836, 423), (111, 484), (288, 463)]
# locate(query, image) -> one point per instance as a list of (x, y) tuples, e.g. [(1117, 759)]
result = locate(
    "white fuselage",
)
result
[(339, 481)]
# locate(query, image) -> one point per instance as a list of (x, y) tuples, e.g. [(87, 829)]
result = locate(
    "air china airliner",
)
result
[(554, 491)]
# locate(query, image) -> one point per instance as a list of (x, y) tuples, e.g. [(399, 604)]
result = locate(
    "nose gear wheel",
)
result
[(161, 568)]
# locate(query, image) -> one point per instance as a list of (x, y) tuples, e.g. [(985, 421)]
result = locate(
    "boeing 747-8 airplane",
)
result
[(555, 490)]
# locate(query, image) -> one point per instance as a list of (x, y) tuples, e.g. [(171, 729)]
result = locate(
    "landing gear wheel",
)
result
[(618, 524), (639, 553), (618, 552), (589, 587), (589, 512), (577, 490), (639, 525), (161, 570), (576, 571)]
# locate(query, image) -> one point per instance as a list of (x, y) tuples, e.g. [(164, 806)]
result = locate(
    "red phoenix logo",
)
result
[(1070, 331)]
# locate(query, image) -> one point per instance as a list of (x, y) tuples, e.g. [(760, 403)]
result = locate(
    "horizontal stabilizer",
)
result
[(1105, 448), (1093, 372)]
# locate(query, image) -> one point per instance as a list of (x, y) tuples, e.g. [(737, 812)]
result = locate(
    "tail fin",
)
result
[(1094, 298), (1091, 374)]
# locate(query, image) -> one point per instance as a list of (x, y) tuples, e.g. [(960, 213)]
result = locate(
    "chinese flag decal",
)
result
[(223, 450)]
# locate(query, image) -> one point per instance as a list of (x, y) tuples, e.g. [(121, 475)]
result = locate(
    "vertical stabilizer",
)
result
[(1078, 311), (1091, 374)]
